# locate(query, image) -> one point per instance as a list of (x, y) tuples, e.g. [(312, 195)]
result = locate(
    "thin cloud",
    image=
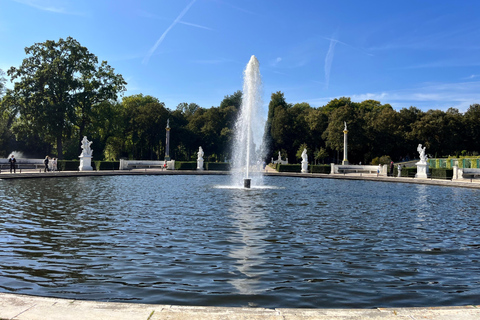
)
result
[(195, 25), (162, 37), (329, 60), (236, 8), (41, 5), (429, 96), (275, 62)]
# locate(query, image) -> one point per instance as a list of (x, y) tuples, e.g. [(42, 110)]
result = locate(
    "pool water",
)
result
[(192, 240)]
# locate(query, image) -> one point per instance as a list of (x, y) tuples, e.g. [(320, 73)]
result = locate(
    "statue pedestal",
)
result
[(304, 166), (85, 163), (422, 170), (200, 164)]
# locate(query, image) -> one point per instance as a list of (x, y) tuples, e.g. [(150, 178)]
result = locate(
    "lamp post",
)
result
[(345, 144), (167, 144)]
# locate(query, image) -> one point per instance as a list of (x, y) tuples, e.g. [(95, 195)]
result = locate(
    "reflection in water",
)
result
[(305, 243), (248, 217)]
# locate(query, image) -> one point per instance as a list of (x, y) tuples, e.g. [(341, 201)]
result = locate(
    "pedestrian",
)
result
[(54, 164), (12, 162), (391, 168), (46, 164), (379, 169)]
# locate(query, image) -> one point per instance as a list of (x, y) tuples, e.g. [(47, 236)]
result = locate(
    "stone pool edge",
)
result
[(24, 307), (462, 183)]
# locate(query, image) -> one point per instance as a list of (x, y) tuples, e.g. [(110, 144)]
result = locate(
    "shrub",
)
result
[(68, 165), (441, 173), (185, 165), (409, 172), (289, 167), (107, 165), (217, 166), (321, 169), (381, 160)]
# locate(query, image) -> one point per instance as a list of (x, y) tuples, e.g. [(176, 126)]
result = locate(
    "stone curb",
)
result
[(23, 307)]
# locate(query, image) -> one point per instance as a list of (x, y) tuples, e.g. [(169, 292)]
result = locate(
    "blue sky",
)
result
[(406, 53)]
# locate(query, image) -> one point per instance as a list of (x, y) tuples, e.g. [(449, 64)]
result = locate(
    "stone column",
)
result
[(345, 146), (167, 144)]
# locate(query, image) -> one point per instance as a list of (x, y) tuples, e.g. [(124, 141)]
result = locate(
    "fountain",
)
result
[(248, 143)]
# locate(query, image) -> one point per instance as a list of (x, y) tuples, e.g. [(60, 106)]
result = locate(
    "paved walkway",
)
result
[(22, 307)]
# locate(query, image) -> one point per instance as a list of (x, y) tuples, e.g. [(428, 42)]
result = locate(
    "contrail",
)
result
[(329, 60), (159, 41)]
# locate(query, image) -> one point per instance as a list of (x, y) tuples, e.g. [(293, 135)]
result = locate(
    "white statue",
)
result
[(421, 151), (279, 156), (345, 122), (200, 159), (304, 156), (86, 149), (304, 161)]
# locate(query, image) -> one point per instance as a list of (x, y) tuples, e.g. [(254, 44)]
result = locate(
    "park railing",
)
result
[(449, 163)]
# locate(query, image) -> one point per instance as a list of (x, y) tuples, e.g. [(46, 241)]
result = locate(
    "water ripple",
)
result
[(191, 240)]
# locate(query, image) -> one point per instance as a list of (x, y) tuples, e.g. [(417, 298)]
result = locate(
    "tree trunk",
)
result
[(59, 147)]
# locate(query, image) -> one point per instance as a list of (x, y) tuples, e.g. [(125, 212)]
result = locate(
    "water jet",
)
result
[(248, 150)]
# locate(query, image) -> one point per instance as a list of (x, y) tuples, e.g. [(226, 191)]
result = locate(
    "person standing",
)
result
[(391, 168), (54, 164), (12, 162), (46, 163)]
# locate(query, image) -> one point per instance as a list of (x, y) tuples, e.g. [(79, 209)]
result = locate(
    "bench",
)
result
[(145, 166), (470, 175), (356, 171)]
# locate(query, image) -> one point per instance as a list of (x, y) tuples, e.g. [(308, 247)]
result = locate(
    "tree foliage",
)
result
[(61, 92), (57, 86)]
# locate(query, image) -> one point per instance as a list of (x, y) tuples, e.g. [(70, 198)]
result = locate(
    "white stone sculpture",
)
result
[(86, 149), (200, 159), (86, 155), (279, 160), (421, 151), (422, 165), (304, 161)]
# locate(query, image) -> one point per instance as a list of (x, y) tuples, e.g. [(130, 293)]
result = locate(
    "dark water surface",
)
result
[(316, 243)]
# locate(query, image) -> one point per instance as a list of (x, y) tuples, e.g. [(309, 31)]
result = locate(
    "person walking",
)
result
[(12, 162)]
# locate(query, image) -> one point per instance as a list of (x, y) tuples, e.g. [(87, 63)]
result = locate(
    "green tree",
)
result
[(300, 150), (3, 81), (57, 86), (472, 127), (145, 119), (320, 154), (277, 104)]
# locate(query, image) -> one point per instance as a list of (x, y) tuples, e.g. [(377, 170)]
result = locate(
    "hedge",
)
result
[(321, 169), (68, 165), (218, 166), (106, 165), (289, 167), (441, 173), (409, 172), (185, 165)]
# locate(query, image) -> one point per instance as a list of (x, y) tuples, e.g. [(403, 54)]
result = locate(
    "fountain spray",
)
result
[(249, 128)]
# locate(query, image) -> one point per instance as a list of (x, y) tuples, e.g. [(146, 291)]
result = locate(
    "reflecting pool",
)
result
[(188, 240)]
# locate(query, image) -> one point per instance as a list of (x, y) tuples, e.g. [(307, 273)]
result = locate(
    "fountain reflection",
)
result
[(248, 217)]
